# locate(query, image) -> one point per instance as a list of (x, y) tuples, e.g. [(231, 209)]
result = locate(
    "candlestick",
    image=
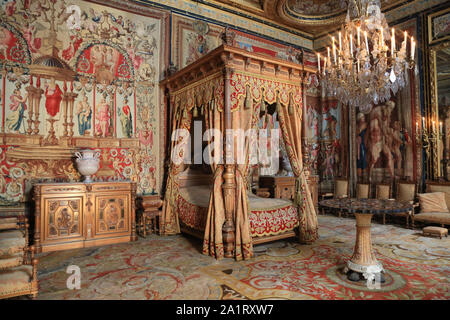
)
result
[(328, 49), (423, 122), (325, 65), (413, 48), (406, 36), (359, 31), (367, 43), (351, 45), (381, 39)]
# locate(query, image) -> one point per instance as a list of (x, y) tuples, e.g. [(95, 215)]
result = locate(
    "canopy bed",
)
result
[(228, 89)]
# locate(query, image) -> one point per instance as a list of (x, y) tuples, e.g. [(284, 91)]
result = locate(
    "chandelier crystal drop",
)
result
[(366, 62)]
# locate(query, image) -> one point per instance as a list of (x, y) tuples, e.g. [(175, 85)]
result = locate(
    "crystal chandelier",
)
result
[(364, 65)]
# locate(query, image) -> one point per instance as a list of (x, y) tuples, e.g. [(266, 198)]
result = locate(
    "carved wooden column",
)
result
[(65, 102), (133, 236), (37, 218), (229, 186), (72, 97), (90, 214)]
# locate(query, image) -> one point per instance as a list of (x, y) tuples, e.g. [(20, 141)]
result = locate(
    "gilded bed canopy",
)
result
[(229, 88)]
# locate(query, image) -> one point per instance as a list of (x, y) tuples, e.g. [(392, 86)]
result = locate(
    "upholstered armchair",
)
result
[(442, 218), (406, 191), (18, 266)]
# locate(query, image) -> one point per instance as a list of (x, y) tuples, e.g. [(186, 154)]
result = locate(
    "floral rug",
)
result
[(173, 267)]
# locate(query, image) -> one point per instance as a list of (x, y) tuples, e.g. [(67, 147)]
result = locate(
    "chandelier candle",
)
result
[(334, 50), (318, 60), (393, 43), (351, 45), (359, 31)]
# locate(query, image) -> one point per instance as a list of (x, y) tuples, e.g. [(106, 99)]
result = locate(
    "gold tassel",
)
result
[(290, 108), (177, 115), (248, 99), (201, 110), (195, 113), (213, 104), (263, 105), (185, 113)]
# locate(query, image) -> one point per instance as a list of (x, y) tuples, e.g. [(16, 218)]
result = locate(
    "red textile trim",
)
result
[(270, 222)]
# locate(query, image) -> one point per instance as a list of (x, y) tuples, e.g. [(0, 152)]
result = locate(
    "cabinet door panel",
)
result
[(112, 214), (63, 218)]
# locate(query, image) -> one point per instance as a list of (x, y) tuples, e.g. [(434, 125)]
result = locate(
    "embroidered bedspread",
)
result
[(268, 216)]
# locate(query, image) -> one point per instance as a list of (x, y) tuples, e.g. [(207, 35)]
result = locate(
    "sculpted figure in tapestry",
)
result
[(84, 115), (313, 122), (17, 107), (53, 95), (382, 140), (103, 117), (126, 120), (361, 141)]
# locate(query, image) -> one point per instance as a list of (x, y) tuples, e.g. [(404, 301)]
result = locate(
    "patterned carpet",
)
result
[(417, 267)]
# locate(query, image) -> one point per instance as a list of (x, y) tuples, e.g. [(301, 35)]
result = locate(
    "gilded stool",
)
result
[(435, 231)]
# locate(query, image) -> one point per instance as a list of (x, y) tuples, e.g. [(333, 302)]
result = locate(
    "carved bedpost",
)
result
[(305, 145), (133, 212), (229, 186), (37, 219)]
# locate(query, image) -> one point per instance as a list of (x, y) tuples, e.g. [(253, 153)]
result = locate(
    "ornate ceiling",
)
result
[(315, 17), (312, 17)]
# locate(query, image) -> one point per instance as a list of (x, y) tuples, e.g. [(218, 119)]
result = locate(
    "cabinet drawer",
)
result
[(111, 214), (63, 218)]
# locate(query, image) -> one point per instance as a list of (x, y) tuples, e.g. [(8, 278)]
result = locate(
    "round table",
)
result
[(363, 260)]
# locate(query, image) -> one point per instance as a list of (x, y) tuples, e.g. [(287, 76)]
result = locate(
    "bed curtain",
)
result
[(290, 123)]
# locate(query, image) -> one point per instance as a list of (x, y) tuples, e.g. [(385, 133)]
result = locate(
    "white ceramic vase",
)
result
[(87, 163)]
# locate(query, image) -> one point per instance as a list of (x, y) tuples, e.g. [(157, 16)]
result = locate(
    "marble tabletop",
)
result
[(368, 206)]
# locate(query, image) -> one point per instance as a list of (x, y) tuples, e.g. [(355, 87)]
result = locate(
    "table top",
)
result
[(368, 206)]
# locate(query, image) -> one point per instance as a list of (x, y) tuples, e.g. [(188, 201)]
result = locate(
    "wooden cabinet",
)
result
[(280, 186), (284, 187), (77, 215)]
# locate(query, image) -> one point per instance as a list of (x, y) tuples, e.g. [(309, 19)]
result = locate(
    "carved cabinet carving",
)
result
[(77, 215)]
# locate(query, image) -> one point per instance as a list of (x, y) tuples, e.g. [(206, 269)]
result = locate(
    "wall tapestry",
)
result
[(192, 39), (81, 75), (385, 147)]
